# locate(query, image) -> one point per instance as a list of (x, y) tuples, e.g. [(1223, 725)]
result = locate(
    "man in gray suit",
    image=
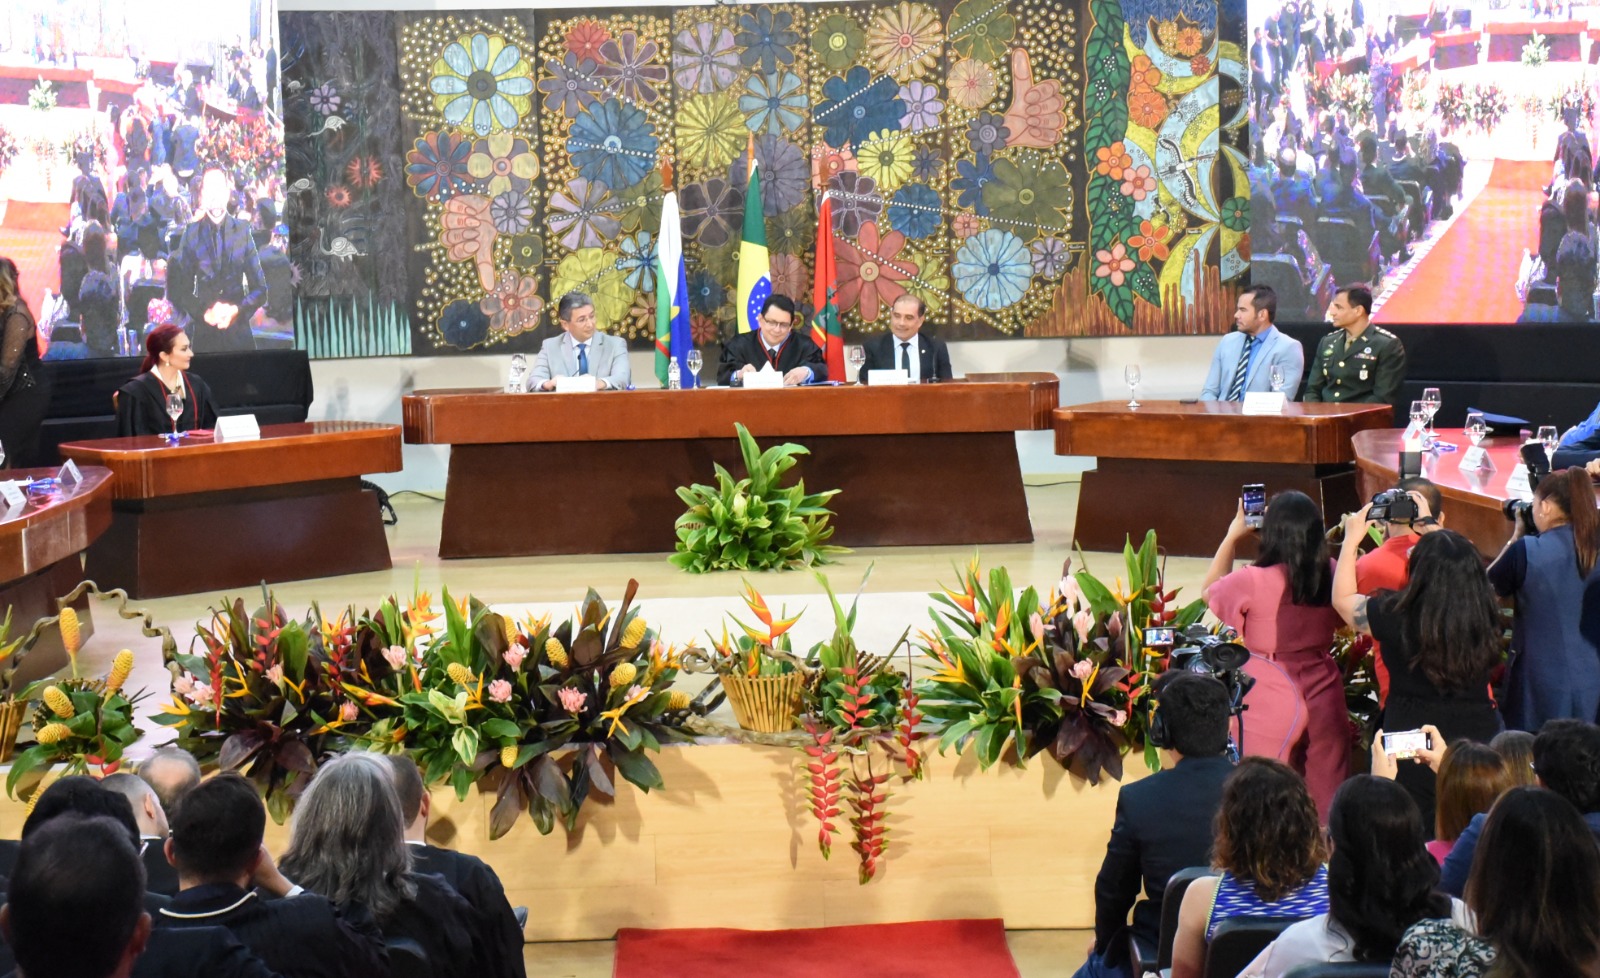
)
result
[(581, 351), (1245, 358)]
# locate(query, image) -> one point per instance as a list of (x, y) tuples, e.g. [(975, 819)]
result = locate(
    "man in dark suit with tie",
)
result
[(467, 875), (216, 848), (775, 344), (923, 358), (1163, 822), (215, 276)]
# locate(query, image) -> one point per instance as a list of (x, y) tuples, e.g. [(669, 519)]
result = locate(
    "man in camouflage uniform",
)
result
[(1358, 362)]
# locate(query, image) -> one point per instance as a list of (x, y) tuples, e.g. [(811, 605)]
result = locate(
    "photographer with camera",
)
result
[(1555, 658), (1281, 607), (1407, 511), (1439, 637)]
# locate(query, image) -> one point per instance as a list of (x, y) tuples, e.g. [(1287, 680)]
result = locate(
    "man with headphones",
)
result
[(1163, 822)]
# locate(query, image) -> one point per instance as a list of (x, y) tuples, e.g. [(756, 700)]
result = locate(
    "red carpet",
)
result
[(926, 949), (1469, 275)]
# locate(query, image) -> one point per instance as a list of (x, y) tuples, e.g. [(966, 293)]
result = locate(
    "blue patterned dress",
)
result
[(1237, 898)]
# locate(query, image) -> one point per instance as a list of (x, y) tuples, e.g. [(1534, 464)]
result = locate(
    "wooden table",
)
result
[(1177, 467), (596, 473), (41, 547), (1471, 498), (206, 516)]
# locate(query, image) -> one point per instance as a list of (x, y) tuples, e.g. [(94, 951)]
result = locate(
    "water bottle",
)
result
[(674, 382)]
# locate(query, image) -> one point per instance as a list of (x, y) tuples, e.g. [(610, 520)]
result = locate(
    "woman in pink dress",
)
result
[(1281, 606)]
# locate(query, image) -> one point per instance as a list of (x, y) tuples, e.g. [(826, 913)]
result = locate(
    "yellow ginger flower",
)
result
[(555, 653), (678, 700), (508, 755), (71, 631), (623, 674), (120, 667), (459, 673), (52, 733), (634, 633), (58, 702)]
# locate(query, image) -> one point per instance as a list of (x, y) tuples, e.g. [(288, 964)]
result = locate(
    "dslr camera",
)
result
[(1393, 506), (1520, 511)]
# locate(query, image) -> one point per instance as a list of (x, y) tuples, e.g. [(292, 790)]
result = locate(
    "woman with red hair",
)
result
[(142, 401)]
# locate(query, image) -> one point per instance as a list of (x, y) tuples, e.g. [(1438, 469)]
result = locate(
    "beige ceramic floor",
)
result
[(413, 544)]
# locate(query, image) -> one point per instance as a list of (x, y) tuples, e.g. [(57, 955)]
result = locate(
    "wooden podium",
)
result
[(1177, 468), (922, 464), (205, 516), (41, 547)]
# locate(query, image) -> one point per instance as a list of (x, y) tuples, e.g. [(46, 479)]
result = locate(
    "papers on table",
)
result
[(585, 384), (766, 379)]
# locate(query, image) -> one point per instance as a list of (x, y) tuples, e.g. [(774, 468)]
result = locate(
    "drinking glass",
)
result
[(1549, 438), (1476, 428), (694, 361), (1131, 376), (174, 411), (2, 456), (1276, 379), (1432, 401), (1419, 415), (856, 356)]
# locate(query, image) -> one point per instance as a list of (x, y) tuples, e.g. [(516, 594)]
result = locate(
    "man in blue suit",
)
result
[(1245, 358)]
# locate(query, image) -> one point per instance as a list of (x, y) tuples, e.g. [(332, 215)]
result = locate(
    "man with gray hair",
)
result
[(905, 347), (151, 815), (581, 351), (170, 772)]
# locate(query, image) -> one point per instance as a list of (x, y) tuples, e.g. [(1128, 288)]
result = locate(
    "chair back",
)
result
[(1171, 902), (1344, 969), (1238, 940)]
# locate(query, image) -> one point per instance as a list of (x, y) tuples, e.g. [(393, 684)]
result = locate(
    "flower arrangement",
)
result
[(497, 694), (754, 523), (265, 695), (1355, 655), (1068, 674), (759, 672), (860, 719)]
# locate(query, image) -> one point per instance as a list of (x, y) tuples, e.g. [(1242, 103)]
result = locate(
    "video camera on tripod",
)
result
[(1218, 654)]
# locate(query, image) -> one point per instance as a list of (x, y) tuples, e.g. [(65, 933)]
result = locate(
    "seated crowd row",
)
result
[(165, 874)]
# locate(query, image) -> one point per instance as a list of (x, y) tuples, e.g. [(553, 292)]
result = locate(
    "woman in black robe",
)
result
[(142, 401)]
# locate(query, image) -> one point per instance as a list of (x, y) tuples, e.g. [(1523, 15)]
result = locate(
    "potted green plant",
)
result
[(81, 723)]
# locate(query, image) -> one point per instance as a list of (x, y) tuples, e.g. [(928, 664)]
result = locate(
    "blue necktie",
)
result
[(1236, 388), (583, 359)]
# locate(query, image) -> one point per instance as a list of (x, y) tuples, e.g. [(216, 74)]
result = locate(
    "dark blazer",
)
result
[(217, 263), (303, 936), (746, 348), (445, 925), (883, 353), (159, 876), (142, 406), (476, 881), (198, 952), (1163, 825)]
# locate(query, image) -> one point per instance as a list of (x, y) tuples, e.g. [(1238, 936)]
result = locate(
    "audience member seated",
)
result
[(1534, 894), (1566, 760), (468, 875), (74, 903), (1439, 637), (1385, 569), (1573, 151), (1580, 445), (347, 842), (170, 772), (1291, 189), (1380, 882), (1281, 607), (1148, 844), (1469, 776), (1515, 747), (142, 401), (1376, 180), (1576, 257), (1269, 852), (1246, 358), (151, 817), (216, 848), (1555, 667)]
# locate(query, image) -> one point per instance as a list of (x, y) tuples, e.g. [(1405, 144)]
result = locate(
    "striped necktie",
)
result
[(1236, 386)]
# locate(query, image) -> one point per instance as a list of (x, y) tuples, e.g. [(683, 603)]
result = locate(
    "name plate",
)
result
[(69, 476), (238, 427), (888, 378), (1264, 402), (586, 384), (764, 379), (1477, 458), (13, 495), (1517, 483)]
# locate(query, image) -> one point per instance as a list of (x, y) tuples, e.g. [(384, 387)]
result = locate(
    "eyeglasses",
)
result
[(775, 324)]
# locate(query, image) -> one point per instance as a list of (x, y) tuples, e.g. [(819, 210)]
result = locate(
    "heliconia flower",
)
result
[(1082, 622), (58, 702), (121, 665), (275, 674), (1082, 669), (395, 655), (500, 691), (513, 657), (1119, 718), (573, 700), (634, 633), (623, 674), (348, 711)]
